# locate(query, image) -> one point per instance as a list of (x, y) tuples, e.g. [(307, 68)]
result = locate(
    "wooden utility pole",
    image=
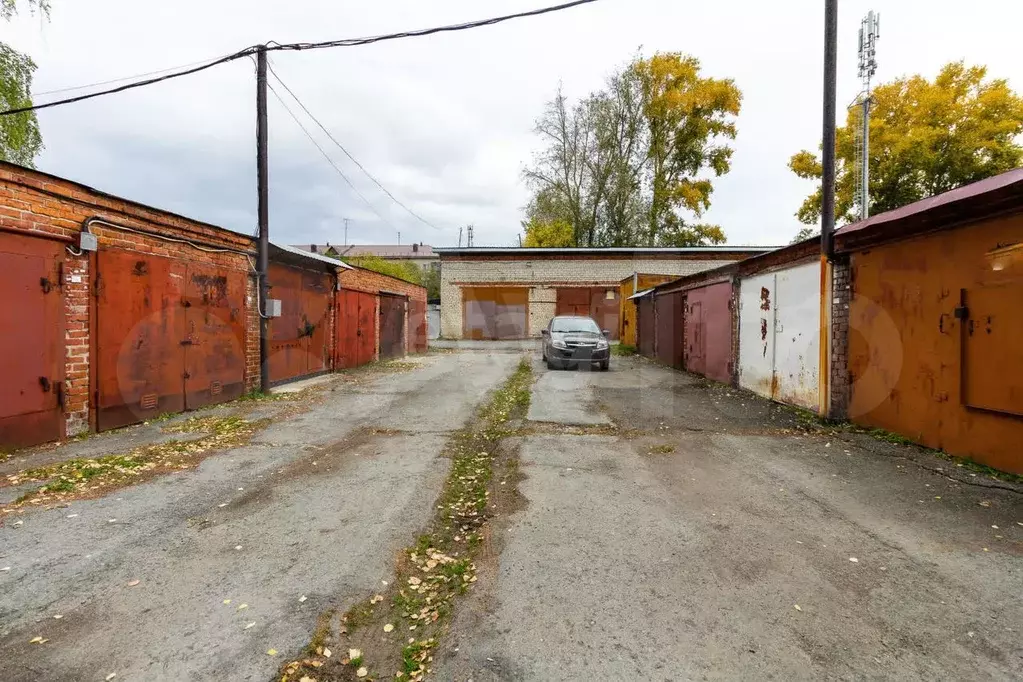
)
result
[(828, 142), (263, 257)]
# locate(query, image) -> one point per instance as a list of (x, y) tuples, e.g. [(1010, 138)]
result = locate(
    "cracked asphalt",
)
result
[(308, 516), (667, 528), (713, 538)]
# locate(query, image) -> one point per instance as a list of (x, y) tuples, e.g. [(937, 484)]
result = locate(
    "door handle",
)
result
[(44, 383)]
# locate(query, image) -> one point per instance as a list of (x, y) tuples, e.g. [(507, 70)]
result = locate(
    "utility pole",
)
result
[(262, 182), (459, 237), (346, 231), (828, 142)]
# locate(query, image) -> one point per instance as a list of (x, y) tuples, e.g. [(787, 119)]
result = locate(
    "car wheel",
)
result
[(550, 364), (605, 365)]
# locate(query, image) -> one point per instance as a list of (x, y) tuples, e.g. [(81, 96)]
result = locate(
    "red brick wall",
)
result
[(360, 279), (36, 204)]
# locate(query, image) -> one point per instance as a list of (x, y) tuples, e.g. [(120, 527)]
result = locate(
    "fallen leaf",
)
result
[(995, 527), (222, 505), (18, 523), (361, 672), (388, 627), (984, 503), (271, 652), (5, 568), (35, 640), (112, 521), (302, 598), (306, 678), (797, 607), (243, 606), (133, 583), (71, 516), (354, 654), (58, 616), (237, 546), (110, 676), (414, 581), (249, 626), (854, 560), (326, 653)]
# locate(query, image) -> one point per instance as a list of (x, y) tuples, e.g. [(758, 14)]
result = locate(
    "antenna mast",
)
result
[(870, 31)]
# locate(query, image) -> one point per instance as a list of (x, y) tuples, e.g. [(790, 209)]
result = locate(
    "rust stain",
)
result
[(765, 298)]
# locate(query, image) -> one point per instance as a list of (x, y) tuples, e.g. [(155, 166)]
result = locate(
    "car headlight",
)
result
[(559, 344), (602, 344)]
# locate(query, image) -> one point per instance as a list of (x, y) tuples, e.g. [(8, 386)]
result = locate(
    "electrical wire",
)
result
[(327, 157), (354, 42), (121, 80), (138, 84), (347, 153), (275, 46)]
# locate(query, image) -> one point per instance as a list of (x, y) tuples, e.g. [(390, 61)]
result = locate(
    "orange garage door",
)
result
[(494, 313)]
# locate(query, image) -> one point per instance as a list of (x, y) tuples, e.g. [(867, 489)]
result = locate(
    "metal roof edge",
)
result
[(599, 250), (312, 256)]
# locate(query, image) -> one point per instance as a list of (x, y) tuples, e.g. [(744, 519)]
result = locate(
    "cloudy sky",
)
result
[(445, 121)]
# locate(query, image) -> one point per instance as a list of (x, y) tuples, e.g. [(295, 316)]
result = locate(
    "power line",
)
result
[(327, 157), (275, 46), (138, 84), (354, 42), (121, 80), (348, 154)]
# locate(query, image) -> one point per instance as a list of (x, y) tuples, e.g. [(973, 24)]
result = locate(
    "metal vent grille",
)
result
[(149, 401), (216, 387)]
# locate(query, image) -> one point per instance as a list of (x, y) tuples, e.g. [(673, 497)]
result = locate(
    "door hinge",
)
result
[(59, 387)]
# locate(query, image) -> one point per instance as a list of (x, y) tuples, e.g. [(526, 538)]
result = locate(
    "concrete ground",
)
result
[(197, 575), (711, 537)]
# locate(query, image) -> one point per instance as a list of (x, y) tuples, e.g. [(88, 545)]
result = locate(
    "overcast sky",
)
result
[(445, 121)]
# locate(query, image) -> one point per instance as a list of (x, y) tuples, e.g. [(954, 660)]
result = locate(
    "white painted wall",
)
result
[(784, 364)]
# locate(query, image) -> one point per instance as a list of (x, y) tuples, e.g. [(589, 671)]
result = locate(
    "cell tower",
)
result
[(870, 31)]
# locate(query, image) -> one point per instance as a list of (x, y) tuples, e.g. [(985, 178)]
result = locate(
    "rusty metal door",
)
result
[(214, 335), (645, 328), (31, 341), (356, 329), (169, 336), (708, 332), (139, 362), (392, 326), (992, 357), (299, 337), (669, 343), (604, 309), (417, 326), (573, 301), (366, 347)]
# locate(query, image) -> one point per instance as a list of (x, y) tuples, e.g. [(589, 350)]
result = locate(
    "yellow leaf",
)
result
[(271, 652)]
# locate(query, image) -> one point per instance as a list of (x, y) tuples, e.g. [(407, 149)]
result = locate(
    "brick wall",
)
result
[(841, 292), (361, 279), (252, 378), (43, 206), (540, 273)]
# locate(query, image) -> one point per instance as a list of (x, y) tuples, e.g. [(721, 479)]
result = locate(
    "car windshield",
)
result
[(574, 324)]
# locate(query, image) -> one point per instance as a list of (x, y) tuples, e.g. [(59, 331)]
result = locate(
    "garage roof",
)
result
[(602, 250)]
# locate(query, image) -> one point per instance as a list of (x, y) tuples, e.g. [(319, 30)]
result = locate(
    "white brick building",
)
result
[(514, 292)]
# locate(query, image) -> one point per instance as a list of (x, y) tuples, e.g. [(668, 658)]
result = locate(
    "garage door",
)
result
[(392, 326), (356, 329), (299, 338), (31, 341), (495, 313), (170, 336), (600, 303)]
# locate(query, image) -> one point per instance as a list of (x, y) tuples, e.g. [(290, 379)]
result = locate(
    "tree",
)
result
[(557, 233), (925, 138), (623, 165), (20, 140), (400, 269), (689, 120)]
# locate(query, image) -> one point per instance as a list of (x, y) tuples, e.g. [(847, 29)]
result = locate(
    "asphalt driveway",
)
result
[(198, 574), (708, 535)]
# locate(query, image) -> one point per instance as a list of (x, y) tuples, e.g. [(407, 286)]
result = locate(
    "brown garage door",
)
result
[(299, 338), (170, 336), (392, 326), (356, 329), (31, 341), (600, 303), (495, 313)]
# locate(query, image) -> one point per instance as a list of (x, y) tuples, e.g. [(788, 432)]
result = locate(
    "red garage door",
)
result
[(31, 341), (708, 332), (169, 336), (392, 326), (600, 303), (355, 343), (299, 338)]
